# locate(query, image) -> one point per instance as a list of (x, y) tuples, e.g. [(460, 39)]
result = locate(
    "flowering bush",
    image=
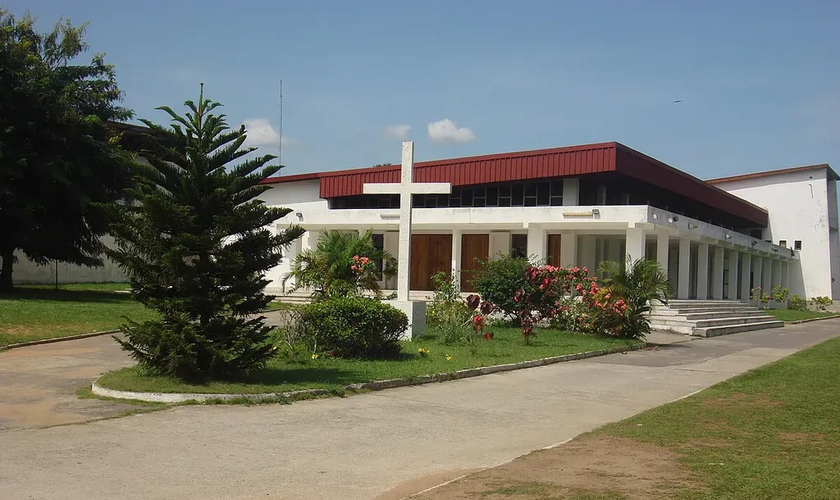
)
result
[(573, 300), (759, 296)]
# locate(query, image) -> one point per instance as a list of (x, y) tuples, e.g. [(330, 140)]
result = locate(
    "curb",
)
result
[(378, 385), (812, 319), (57, 339)]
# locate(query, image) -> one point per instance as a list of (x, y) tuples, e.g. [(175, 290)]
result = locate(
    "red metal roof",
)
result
[(536, 164)]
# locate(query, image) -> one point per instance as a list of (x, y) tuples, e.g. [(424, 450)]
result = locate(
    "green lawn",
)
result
[(770, 433), (35, 312), (325, 373), (791, 315)]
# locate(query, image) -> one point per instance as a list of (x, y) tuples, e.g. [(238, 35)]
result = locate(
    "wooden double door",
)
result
[(432, 253)]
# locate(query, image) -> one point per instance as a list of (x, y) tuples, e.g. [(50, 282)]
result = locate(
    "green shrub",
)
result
[(780, 293), (498, 281), (821, 303), (447, 306), (450, 332), (797, 303), (352, 327)]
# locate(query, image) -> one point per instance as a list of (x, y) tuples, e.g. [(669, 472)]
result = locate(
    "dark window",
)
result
[(479, 197), (556, 193), (519, 245), (783, 243), (543, 194), (455, 198), (517, 195), (530, 199), (492, 196), (467, 198), (797, 245), (755, 233)]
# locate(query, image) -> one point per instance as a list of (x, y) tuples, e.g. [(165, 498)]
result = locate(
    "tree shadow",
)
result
[(299, 375), (67, 295)]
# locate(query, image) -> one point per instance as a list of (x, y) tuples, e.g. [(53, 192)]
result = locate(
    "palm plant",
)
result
[(639, 284), (329, 269)]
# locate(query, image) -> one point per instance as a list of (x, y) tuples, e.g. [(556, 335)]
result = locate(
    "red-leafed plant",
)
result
[(482, 309)]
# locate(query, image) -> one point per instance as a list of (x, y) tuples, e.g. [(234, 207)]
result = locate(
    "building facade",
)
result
[(571, 206)]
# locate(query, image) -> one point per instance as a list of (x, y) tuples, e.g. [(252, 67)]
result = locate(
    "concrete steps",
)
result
[(710, 318)]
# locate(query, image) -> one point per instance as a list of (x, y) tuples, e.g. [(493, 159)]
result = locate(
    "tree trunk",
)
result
[(7, 256)]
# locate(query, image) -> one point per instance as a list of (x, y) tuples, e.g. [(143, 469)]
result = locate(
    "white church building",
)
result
[(581, 205)]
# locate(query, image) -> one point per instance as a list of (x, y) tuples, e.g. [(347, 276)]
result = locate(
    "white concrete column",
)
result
[(587, 250), (571, 190), (635, 246), (717, 273), (746, 270), (662, 242), (312, 239), (684, 279), (702, 271), (785, 271), (568, 249), (537, 243), (456, 257), (732, 291), (758, 275), (499, 244), (767, 277)]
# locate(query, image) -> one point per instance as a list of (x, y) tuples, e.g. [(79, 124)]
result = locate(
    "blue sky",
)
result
[(759, 80)]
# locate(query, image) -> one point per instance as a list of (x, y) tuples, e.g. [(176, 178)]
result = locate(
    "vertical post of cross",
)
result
[(404, 257)]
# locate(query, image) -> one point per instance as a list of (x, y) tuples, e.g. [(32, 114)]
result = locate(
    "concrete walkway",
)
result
[(380, 445), (38, 384)]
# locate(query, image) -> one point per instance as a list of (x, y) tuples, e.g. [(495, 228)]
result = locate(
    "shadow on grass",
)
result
[(67, 295)]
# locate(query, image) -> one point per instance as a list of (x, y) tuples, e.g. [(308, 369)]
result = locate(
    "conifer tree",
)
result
[(196, 244)]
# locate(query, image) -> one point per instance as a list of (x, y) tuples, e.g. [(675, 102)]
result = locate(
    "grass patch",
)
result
[(38, 312), (282, 375), (770, 433), (791, 315)]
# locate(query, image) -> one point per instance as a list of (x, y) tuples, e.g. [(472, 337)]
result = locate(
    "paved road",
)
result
[(379, 445), (38, 384)]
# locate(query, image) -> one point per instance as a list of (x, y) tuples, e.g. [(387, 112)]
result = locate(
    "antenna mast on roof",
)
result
[(280, 130)]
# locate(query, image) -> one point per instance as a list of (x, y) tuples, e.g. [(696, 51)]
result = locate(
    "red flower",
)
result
[(486, 308), (488, 336)]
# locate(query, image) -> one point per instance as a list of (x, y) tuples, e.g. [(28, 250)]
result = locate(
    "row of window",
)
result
[(522, 194), (797, 244)]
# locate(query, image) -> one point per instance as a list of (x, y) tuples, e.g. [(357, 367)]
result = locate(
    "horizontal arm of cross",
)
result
[(413, 188)]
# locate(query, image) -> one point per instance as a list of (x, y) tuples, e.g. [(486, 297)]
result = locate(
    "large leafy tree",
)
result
[(60, 164), (196, 245)]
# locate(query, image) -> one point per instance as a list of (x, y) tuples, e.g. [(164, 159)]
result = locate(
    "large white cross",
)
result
[(405, 188)]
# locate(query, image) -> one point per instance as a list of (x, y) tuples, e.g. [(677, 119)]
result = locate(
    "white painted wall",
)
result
[(25, 271), (802, 206)]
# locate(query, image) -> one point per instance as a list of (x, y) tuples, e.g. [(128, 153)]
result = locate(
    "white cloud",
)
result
[(262, 134), (397, 131), (445, 131)]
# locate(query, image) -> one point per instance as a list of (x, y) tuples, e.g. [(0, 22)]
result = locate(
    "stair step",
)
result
[(704, 323), (726, 330), (707, 315)]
